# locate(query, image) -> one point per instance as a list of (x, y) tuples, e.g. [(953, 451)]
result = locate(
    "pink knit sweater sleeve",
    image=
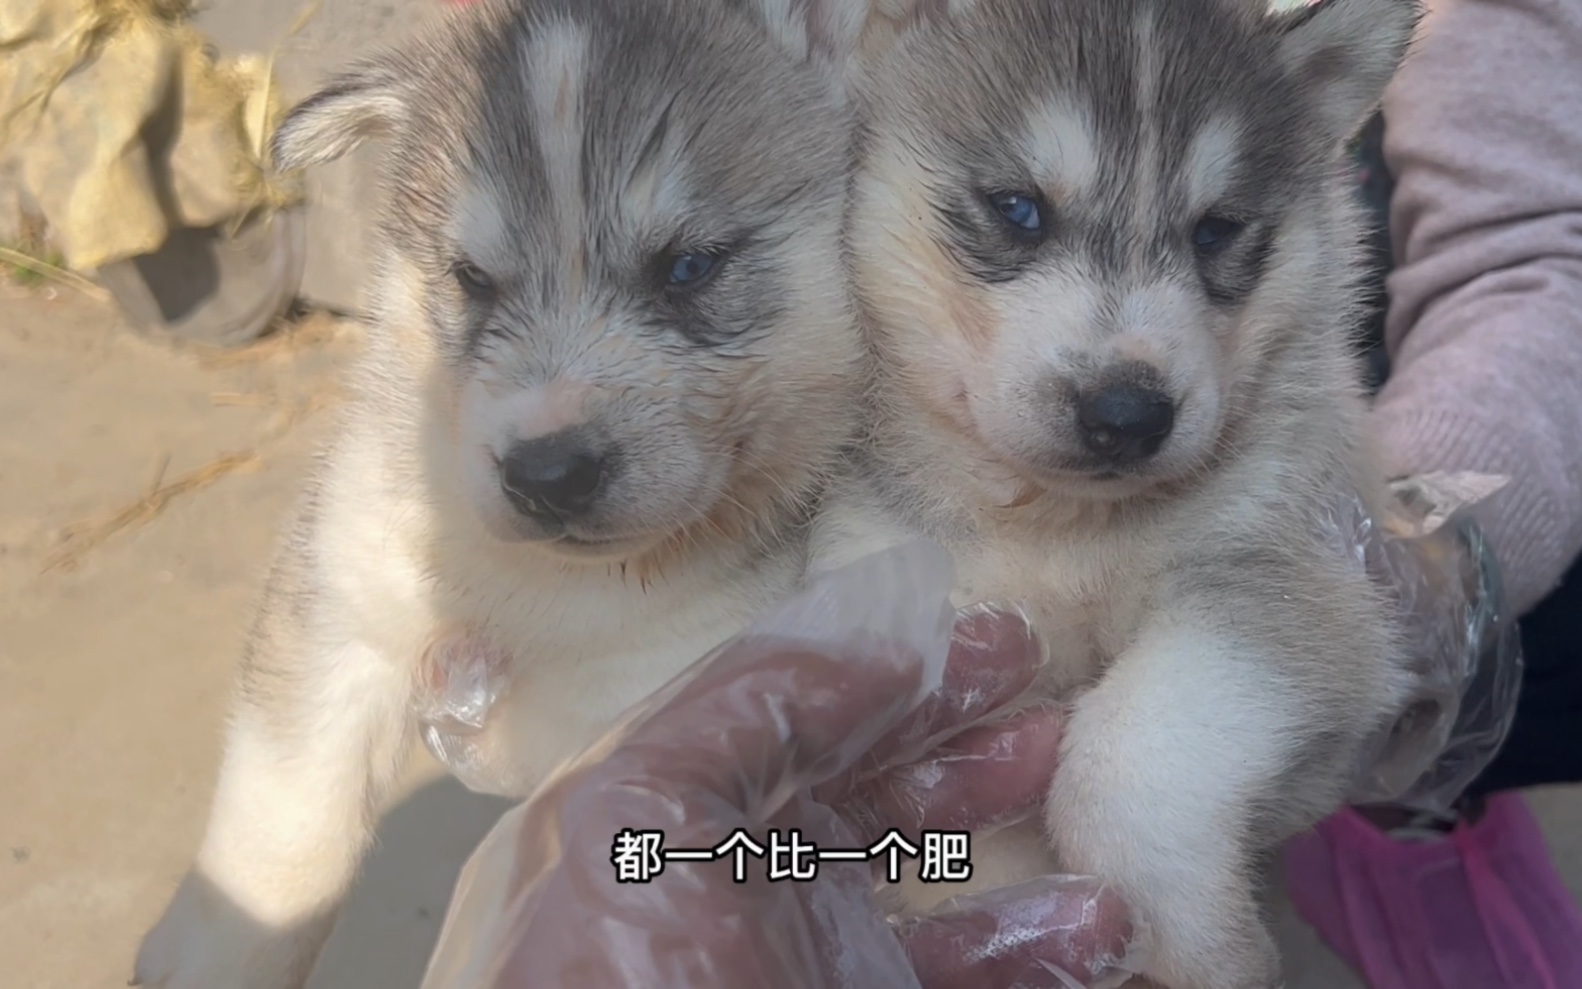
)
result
[(1484, 138)]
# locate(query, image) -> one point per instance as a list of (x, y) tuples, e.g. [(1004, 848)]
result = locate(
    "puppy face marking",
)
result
[(1127, 254), (614, 234), (556, 61), (1060, 147), (479, 228), (1211, 162), (1146, 78)]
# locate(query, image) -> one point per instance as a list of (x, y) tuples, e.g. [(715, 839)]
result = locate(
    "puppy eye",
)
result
[(691, 267), (1215, 233), (474, 281), (1019, 210)]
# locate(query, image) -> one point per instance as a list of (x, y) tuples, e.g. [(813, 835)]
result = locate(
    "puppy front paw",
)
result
[(1201, 940), (1196, 955), (1191, 886), (204, 941)]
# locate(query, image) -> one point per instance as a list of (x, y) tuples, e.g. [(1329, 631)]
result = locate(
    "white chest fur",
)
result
[(1085, 591), (587, 642), (1086, 599), (584, 641)]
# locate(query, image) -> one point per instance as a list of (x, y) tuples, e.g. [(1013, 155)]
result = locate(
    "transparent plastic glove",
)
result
[(1463, 643), (461, 678), (825, 695)]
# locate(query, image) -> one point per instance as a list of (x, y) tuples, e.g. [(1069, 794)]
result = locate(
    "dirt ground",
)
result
[(140, 492)]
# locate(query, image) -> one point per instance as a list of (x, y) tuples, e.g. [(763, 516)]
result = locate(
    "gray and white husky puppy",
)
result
[(613, 361), (1109, 260)]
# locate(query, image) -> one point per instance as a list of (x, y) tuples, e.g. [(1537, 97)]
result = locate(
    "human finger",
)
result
[(1054, 932), (987, 777)]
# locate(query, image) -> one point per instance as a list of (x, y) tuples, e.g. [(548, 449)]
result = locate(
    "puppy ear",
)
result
[(827, 31), (365, 101), (912, 11), (903, 15), (1346, 51), (840, 33)]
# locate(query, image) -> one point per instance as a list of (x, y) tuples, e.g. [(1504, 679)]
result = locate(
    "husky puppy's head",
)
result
[(613, 228), (1085, 227)]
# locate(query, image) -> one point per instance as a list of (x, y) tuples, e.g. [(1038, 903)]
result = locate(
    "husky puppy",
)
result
[(614, 360), (1110, 268)]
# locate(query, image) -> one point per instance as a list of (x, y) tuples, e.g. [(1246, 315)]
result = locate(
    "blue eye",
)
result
[(1019, 210), (1214, 233), (690, 266), (473, 280)]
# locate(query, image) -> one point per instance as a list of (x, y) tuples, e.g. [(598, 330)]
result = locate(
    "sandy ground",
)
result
[(140, 491)]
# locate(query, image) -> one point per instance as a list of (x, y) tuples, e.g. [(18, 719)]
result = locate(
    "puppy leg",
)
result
[(1165, 765), (315, 743)]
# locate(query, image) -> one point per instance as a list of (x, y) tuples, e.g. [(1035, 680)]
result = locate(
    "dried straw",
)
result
[(245, 399), (46, 270), (260, 185), (80, 538), (312, 332)]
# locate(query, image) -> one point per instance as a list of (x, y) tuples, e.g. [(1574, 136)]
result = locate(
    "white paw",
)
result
[(1244, 957)]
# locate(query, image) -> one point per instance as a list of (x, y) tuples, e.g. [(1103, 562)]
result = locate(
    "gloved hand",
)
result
[(826, 696), (1465, 650)]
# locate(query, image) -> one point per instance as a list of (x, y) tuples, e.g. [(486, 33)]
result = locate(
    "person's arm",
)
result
[(1484, 138)]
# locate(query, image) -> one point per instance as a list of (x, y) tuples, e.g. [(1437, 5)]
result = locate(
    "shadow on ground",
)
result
[(390, 925)]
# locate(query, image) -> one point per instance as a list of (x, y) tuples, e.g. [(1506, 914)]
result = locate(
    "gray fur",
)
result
[(662, 91), (1212, 547), (545, 161)]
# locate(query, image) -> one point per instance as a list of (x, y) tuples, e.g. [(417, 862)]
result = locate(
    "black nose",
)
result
[(1124, 423), (552, 478)]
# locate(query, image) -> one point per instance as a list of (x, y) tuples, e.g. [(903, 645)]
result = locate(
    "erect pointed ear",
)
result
[(914, 11), (1346, 51), (900, 16), (841, 33), (365, 101), (821, 30)]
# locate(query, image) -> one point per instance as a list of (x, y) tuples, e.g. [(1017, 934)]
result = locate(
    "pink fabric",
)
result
[(1482, 909), (1484, 138)]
